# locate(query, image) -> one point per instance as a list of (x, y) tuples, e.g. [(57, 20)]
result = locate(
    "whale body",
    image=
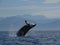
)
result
[(25, 29)]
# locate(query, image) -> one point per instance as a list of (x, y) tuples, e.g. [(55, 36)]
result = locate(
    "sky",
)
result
[(48, 8)]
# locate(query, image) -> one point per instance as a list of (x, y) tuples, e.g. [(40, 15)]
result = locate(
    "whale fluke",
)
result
[(25, 29)]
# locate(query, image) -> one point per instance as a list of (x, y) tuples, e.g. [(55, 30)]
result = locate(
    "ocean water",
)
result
[(31, 38)]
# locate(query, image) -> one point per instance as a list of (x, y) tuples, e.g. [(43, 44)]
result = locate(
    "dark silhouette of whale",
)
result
[(25, 29)]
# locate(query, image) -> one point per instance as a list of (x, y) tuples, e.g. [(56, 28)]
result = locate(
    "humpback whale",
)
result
[(25, 29)]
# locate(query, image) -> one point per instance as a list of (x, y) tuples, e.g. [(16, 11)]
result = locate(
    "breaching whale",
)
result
[(25, 29)]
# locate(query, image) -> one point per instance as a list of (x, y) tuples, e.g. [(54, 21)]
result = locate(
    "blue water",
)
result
[(32, 38)]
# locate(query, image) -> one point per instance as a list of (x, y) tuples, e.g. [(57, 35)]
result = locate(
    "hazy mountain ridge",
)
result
[(16, 22)]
